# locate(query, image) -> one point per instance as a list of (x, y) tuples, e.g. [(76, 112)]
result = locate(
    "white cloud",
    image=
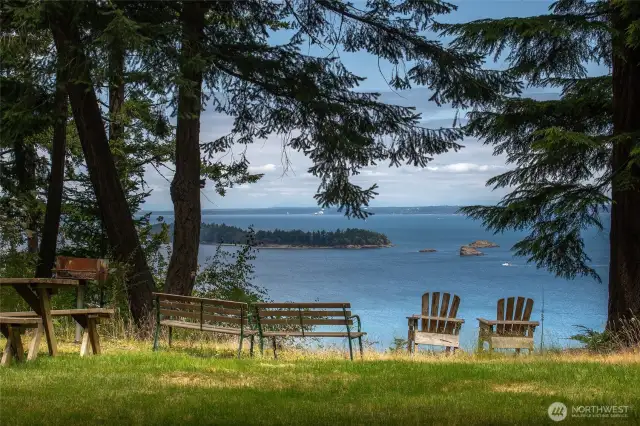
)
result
[(464, 167), (263, 169)]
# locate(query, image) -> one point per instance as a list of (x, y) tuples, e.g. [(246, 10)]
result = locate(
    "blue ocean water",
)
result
[(384, 286)]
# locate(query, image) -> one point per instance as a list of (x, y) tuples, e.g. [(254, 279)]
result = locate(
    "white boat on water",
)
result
[(506, 264)]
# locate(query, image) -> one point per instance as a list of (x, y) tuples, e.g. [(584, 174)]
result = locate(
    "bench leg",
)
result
[(275, 355), (251, 346), (18, 349), (360, 345), (7, 354), (240, 347), (156, 337), (261, 346), (350, 348), (84, 347), (170, 335), (34, 345), (93, 336)]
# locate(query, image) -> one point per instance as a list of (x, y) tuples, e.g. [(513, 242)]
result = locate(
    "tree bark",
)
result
[(118, 221), (48, 245), (185, 187), (624, 268)]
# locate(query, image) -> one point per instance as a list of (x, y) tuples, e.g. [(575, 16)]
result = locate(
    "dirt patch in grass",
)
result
[(532, 388), (183, 379)]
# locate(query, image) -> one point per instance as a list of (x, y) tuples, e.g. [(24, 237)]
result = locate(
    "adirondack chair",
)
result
[(437, 325), (512, 328)]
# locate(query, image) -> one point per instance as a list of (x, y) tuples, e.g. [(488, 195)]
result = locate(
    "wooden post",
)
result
[(93, 335), (18, 349), (35, 343), (80, 304), (47, 323), (84, 347), (7, 354)]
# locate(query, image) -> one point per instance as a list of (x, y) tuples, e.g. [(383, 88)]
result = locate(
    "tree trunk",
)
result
[(48, 245), (116, 94), (624, 268), (118, 221), (185, 187)]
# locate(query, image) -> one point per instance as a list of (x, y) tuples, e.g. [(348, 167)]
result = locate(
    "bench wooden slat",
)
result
[(268, 313), (312, 334), (204, 317), (309, 305), (196, 307), (28, 321), (306, 321), (206, 327), (176, 297), (102, 312)]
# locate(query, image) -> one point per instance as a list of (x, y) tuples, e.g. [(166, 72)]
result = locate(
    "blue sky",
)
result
[(451, 179)]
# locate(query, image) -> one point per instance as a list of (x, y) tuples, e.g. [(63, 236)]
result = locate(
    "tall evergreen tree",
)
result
[(576, 157)]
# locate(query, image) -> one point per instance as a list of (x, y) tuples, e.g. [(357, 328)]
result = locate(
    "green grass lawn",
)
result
[(175, 387)]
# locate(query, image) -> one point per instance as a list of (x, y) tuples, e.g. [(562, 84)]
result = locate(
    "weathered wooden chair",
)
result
[(439, 325), (512, 328)]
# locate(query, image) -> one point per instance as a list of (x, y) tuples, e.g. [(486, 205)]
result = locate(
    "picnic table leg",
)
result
[(45, 308), (84, 347), (93, 335), (34, 345), (79, 305)]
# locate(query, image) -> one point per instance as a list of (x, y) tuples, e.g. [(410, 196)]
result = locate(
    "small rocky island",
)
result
[(470, 251), (479, 244), (350, 238), (427, 250)]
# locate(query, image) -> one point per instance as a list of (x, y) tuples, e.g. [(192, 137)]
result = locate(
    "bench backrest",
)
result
[(81, 268), (511, 310), (203, 311), (303, 315), (442, 307)]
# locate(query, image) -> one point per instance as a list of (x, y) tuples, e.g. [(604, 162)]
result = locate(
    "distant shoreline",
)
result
[(294, 247)]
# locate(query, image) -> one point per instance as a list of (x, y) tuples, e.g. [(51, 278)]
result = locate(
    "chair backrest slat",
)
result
[(435, 302), (500, 316), (517, 316), (444, 306), (453, 313)]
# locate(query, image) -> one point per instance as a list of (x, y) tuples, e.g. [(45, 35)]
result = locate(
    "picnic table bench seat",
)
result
[(12, 328), (299, 318), (203, 314), (87, 318)]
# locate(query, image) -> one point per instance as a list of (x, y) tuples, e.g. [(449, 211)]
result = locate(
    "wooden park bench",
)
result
[(438, 323), (197, 313), (298, 318), (512, 328), (87, 318), (12, 328)]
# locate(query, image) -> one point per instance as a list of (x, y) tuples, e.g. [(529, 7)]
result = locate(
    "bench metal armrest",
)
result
[(357, 317)]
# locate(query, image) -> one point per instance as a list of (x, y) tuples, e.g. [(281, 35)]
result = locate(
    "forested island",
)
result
[(350, 238)]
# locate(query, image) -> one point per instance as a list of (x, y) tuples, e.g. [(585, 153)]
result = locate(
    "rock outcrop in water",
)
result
[(470, 251), (483, 244), (427, 250)]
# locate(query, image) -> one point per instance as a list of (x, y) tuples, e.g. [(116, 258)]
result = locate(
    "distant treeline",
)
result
[(216, 233)]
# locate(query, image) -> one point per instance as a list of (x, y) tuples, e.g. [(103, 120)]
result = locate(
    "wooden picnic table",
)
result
[(37, 293)]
